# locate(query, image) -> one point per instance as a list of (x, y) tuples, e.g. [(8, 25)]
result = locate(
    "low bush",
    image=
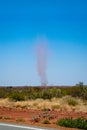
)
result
[(46, 122), (35, 118), (3, 94), (45, 114), (67, 122), (72, 102), (7, 118), (17, 96), (46, 109), (20, 120), (73, 123)]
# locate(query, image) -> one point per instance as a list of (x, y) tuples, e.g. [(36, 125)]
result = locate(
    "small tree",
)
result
[(83, 90)]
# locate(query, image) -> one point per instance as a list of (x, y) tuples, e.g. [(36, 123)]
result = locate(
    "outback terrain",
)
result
[(43, 106)]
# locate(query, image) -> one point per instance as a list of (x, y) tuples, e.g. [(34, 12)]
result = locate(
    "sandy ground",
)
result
[(25, 116)]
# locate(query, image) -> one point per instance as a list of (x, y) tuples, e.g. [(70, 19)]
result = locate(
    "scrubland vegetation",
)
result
[(32, 93), (80, 123), (72, 99), (54, 98)]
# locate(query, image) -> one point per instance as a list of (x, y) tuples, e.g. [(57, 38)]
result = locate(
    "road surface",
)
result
[(4, 126)]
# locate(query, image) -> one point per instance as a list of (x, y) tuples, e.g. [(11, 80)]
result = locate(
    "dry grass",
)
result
[(5, 103), (53, 104)]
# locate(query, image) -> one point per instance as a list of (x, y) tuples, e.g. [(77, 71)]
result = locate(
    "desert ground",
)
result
[(35, 112)]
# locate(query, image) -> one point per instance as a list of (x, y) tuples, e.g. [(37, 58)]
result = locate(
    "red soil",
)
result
[(27, 115)]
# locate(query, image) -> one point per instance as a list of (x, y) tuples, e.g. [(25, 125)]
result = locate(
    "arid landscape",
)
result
[(36, 117), (43, 64), (21, 105)]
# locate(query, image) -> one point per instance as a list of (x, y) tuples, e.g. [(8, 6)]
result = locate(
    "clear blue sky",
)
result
[(62, 22)]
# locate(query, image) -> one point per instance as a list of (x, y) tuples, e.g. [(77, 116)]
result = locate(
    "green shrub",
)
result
[(80, 123), (3, 94), (17, 96), (73, 123), (72, 102), (45, 94), (84, 93), (55, 92), (46, 122), (68, 122)]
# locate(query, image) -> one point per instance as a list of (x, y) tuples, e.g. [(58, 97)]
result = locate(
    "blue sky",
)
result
[(63, 23)]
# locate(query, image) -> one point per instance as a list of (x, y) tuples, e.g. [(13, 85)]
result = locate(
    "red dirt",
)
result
[(27, 115)]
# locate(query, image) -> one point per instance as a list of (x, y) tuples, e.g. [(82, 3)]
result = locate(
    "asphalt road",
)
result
[(4, 126)]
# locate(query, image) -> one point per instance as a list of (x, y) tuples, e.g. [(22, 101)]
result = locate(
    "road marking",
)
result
[(25, 127)]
